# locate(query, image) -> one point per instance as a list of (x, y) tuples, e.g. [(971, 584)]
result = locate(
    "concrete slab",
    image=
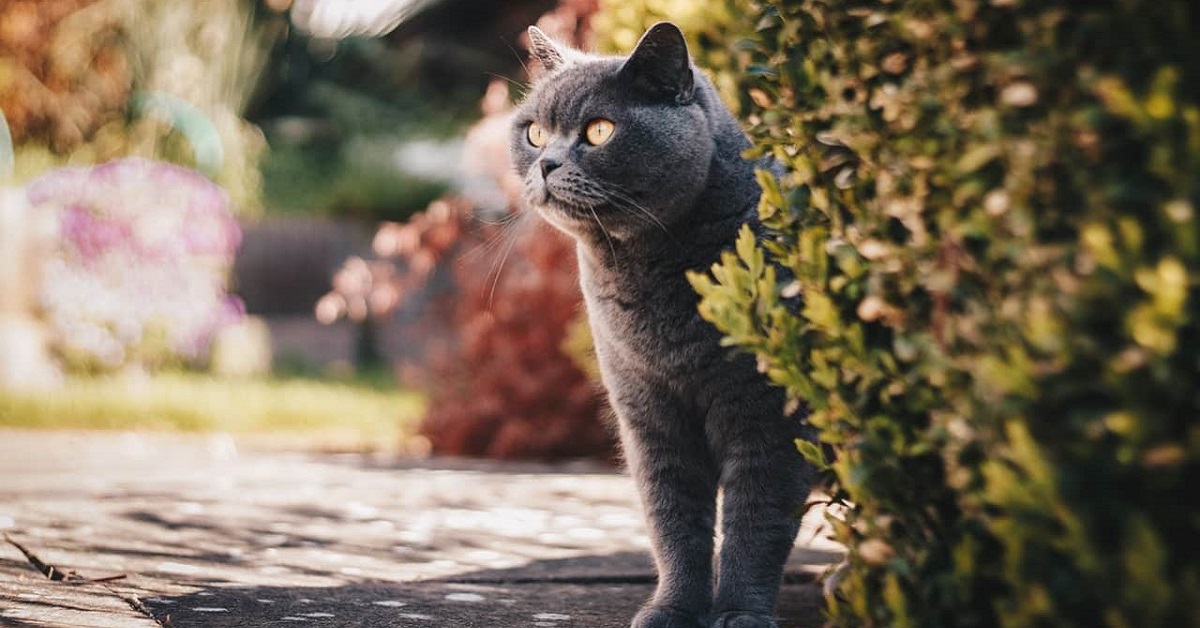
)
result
[(206, 533)]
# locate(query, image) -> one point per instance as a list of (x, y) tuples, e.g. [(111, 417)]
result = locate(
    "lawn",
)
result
[(309, 413)]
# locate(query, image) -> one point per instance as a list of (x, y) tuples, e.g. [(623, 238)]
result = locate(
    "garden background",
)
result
[(988, 211)]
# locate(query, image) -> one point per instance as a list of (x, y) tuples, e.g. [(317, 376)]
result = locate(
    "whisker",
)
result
[(510, 227), (628, 200), (516, 55), (625, 202), (507, 219), (636, 212), (519, 85), (497, 268), (611, 248), (493, 243)]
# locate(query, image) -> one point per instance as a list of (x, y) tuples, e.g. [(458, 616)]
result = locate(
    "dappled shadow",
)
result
[(349, 541), (433, 605), (601, 591), (623, 568), (16, 622)]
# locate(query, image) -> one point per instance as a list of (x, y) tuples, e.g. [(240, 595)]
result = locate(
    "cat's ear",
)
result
[(660, 64), (548, 51)]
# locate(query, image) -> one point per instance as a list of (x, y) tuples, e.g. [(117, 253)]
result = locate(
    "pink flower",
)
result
[(141, 268)]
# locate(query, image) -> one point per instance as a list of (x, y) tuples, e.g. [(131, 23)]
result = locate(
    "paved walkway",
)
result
[(189, 531)]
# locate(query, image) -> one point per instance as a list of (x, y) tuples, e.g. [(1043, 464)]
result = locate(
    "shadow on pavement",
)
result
[(602, 591), (215, 537)]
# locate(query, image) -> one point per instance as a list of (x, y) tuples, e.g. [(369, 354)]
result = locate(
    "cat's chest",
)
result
[(647, 325)]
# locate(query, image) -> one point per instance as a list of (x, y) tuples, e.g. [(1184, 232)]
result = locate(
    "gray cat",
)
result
[(637, 159)]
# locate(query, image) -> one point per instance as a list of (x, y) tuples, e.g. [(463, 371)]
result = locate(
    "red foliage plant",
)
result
[(495, 302), (502, 385)]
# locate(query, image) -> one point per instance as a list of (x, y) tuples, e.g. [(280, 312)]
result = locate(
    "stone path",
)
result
[(191, 531)]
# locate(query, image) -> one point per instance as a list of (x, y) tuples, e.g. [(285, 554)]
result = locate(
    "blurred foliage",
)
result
[(504, 386), (494, 303), (333, 147), (63, 70), (492, 300), (88, 81), (196, 65), (339, 112), (710, 28), (578, 345), (989, 214), (328, 181), (331, 415)]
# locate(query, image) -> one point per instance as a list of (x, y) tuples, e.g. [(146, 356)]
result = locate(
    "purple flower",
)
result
[(89, 235), (141, 267)]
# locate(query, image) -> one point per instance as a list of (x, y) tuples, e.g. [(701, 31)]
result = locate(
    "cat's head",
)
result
[(609, 147)]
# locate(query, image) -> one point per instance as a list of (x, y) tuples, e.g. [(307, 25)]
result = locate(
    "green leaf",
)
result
[(813, 453)]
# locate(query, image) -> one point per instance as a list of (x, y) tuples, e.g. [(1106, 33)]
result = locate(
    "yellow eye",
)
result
[(599, 130), (537, 135)]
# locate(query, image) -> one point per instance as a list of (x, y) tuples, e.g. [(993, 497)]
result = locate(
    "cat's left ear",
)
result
[(549, 52), (660, 64)]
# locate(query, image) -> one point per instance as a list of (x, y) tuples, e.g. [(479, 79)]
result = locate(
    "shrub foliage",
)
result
[(989, 213)]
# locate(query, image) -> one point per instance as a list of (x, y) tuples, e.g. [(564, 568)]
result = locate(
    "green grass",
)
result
[(293, 411)]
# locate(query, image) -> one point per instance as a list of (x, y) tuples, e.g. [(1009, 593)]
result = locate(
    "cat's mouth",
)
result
[(568, 207)]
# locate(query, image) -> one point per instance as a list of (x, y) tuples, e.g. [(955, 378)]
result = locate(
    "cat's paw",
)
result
[(739, 619), (664, 617)]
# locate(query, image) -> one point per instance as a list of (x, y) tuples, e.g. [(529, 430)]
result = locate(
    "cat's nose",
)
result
[(549, 164)]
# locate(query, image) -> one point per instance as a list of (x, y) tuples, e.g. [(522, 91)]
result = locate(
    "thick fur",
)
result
[(665, 194)]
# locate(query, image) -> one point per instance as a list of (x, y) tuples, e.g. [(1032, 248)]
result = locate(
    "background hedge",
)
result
[(989, 211)]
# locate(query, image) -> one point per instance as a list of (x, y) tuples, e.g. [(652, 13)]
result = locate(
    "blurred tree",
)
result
[(64, 72), (444, 52), (337, 112), (86, 81)]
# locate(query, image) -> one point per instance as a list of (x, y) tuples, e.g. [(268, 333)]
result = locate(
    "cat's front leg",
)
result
[(677, 480), (764, 484)]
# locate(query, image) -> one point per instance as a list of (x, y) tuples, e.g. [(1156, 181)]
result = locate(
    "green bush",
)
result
[(989, 213)]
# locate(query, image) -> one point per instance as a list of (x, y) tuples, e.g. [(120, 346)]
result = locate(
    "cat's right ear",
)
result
[(545, 50), (660, 64)]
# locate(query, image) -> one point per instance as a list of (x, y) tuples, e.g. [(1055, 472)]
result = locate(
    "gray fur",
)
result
[(666, 194)]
